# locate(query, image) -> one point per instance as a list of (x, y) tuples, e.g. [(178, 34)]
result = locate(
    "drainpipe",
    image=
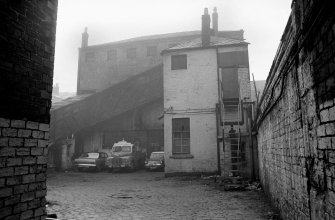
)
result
[(217, 137), (218, 114)]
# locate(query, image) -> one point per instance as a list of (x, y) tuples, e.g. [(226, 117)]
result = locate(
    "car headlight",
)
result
[(125, 158)]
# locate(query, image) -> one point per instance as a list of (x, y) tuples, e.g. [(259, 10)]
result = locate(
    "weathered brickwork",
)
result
[(23, 175), (296, 120), (244, 83), (27, 41)]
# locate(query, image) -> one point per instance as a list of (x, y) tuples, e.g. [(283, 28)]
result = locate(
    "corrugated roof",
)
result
[(197, 44)]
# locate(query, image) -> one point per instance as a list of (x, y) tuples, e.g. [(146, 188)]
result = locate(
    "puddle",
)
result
[(129, 196), (51, 203)]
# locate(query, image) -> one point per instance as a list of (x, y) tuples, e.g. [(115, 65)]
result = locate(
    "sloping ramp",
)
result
[(88, 111)]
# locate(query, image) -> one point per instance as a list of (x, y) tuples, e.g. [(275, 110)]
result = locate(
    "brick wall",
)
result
[(296, 120), (23, 150), (244, 83), (27, 41)]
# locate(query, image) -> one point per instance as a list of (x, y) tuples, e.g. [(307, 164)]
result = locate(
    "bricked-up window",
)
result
[(181, 136), (89, 57), (179, 62), (111, 55), (151, 51), (131, 53)]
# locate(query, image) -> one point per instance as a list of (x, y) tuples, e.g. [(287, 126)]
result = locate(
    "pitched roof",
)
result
[(197, 44), (82, 112), (238, 34)]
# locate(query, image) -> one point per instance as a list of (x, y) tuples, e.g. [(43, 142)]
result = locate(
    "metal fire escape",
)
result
[(232, 167), (232, 158)]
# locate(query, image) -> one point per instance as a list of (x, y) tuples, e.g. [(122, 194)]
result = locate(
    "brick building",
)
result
[(205, 80), (105, 65), (27, 42), (102, 114), (295, 120)]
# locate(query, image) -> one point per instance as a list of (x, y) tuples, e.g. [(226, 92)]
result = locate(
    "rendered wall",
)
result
[(296, 134), (27, 41), (203, 155), (193, 93)]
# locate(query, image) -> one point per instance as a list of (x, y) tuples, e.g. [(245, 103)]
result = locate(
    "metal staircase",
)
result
[(232, 157), (233, 167)]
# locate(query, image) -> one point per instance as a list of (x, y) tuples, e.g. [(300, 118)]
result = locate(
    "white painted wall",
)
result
[(203, 144), (194, 87), (185, 93)]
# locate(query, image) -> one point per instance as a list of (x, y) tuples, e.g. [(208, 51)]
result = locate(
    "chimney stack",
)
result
[(84, 39), (206, 29), (215, 22)]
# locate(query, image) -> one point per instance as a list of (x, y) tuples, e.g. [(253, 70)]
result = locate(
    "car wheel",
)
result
[(132, 166), (98, 168)]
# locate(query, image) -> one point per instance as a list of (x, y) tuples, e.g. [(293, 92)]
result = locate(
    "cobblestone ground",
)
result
[(147, 195)]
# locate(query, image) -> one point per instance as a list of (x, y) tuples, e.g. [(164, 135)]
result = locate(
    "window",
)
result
[(178, 62), (111, 55), (151, 51), (89, 57), (181, 136), (131, 53)]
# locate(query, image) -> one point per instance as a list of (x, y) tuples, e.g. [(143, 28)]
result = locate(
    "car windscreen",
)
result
[(90, 155), (157, 156), (121, 149)]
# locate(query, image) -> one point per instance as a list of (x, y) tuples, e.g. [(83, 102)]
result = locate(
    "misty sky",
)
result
[(263, 22)]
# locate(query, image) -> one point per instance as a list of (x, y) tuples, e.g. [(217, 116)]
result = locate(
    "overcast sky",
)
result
[(263, 22)]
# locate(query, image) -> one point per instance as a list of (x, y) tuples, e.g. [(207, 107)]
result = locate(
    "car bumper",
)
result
[(154, 166), (118, 166), (85, 165)]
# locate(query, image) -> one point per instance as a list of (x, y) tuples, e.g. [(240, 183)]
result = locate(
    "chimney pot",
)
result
[(84, 38), (206, 29), (215, 21), (206, 11)]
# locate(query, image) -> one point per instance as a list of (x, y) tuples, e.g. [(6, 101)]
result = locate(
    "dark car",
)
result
[(91, 160), (156, 161)]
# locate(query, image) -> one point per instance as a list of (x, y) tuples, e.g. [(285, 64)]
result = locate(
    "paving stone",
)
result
[(147, 195)]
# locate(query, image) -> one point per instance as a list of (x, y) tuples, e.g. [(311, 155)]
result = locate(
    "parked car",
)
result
[(125, 156), (91, 160), (156, 161)]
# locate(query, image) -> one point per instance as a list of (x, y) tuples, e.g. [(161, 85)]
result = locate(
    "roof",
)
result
[(84, 111), (197, 44), (237, 34), (64, 102), (123, 143)]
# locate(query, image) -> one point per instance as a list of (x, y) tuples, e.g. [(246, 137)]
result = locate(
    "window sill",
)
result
[(182, 156)]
